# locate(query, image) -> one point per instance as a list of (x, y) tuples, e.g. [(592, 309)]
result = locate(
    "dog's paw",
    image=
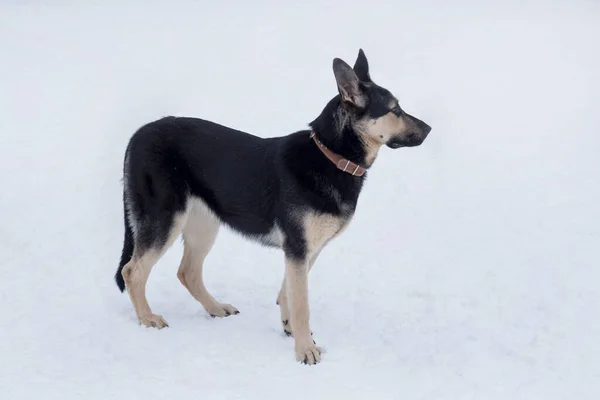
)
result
[(222, 310), (309, 354), (154, 321)]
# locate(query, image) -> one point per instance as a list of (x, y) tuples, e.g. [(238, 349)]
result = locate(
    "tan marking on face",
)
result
[(377, 132), (385, 127)]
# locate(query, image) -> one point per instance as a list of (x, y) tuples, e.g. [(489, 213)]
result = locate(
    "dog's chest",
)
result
[(319, 228)]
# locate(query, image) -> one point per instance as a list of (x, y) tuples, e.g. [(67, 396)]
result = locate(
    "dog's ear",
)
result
[(361, 67), (348, 84)]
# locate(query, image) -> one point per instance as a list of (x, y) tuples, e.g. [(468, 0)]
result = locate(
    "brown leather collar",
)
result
[(339, 161)]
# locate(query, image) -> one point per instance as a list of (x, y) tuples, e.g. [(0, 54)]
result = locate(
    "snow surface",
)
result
[(470, 270)]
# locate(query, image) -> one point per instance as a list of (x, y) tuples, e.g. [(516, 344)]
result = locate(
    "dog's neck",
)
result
[(340, 162), (334, 130)]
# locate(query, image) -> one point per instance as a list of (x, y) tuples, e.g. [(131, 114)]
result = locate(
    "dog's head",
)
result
[(373, 112)]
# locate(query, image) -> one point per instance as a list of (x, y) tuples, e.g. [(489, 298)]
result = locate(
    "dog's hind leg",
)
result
[(199, 235), (136, 271), (282, 300)]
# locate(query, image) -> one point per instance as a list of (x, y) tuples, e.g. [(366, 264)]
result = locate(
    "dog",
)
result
[(297, 192)]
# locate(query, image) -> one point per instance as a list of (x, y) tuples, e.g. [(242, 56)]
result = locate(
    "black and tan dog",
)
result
[(188, 176)]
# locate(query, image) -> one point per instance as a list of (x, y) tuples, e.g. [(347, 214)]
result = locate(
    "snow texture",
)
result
[(470, 270)]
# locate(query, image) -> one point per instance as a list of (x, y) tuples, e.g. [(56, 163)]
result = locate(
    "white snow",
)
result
[(470, 270)]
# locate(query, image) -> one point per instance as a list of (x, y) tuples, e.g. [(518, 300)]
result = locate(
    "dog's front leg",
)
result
[(282, 299), (296, 279)]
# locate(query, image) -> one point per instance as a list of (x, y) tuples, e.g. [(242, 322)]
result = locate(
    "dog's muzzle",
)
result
[(409, 140)]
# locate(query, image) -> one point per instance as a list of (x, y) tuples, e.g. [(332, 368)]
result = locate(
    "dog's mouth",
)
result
[(394, 144), (411, 140)]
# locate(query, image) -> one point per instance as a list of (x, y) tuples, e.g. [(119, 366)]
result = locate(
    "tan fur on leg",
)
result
[(319, 229), (283, 302), (296, 279), (199, 235), (136, 272)]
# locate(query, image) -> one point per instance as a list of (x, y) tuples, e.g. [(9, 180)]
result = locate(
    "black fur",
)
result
[(127, 251), (250, 183)]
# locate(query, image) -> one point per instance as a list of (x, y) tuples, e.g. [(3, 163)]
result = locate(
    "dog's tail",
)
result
[(127, 250)]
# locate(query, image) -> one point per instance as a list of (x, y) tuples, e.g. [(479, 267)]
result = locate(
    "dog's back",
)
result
[(174, 158), (171, 161)]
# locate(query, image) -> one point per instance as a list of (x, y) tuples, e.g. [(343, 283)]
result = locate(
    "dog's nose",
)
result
[(426, 129)]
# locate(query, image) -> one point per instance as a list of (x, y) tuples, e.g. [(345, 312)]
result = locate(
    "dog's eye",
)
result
[(397, 110)]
